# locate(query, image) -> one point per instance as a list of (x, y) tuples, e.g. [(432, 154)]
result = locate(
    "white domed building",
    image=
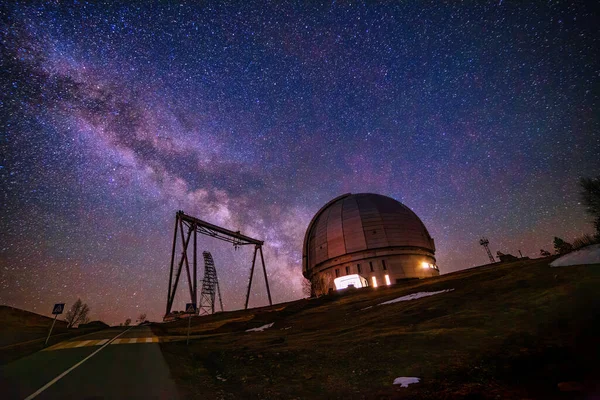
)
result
[(366, 239)]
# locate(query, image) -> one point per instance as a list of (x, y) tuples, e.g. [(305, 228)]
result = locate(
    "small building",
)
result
[(508, 257), (369, 235)]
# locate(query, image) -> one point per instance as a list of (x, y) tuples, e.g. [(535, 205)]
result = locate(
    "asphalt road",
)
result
[(116, 363)]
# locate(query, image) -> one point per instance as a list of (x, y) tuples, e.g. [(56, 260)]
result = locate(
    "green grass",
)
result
[(514, 330)]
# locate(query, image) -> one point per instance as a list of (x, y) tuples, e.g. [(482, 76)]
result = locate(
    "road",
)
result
[(116, 363)]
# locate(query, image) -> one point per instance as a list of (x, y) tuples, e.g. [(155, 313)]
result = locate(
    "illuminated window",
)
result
[(337, 272), (384, 266), (387, 280), (347, 270), (374, 282), (358, 268), (354, 280), (371, 266)]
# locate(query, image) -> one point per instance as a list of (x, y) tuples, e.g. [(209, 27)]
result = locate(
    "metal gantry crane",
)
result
[(187, 226)]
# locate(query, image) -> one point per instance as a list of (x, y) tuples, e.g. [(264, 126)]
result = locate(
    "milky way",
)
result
[(480, 118)]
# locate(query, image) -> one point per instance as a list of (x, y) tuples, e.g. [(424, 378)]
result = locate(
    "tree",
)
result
[(78, 314), (127, 322), (321, 284), (141, 318), (562, 247), (306, 288), (590, 197), (544, 253)]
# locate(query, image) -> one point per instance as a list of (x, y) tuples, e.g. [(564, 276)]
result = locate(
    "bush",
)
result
[(561, 247)]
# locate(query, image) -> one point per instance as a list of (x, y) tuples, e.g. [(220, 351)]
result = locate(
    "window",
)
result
[(387, 280), (358, 268), (384, 266), (371, 266), (347, 270), (337, 273), (374, 282)]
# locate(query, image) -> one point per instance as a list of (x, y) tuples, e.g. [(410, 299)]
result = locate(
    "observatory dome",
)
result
[(372, 236)]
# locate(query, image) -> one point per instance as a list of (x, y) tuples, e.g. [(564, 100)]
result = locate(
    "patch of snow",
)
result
[(586, 255), (404, 381), (221, 379), (261, 328), (414, 296), (366, 308)]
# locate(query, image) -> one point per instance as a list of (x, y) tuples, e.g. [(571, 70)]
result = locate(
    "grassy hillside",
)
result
[(19, 325), (515, 330), (23, 332)]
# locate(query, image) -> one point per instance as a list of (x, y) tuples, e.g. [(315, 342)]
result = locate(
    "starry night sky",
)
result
[(480, 118)]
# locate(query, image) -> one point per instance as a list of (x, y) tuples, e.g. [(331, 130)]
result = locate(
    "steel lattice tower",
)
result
[(485, 243), (210, 287)]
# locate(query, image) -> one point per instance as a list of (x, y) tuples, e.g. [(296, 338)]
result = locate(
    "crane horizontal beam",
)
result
[(206, 228)]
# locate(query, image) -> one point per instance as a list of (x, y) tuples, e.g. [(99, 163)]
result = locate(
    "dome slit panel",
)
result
[(354, 234), (372, 223), (335, 233), (402, 226)]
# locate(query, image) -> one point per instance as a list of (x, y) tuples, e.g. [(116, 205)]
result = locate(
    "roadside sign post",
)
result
[(58, 309), (190, 308)]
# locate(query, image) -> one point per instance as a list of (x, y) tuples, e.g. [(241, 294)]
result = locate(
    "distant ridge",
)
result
[(94, 324)]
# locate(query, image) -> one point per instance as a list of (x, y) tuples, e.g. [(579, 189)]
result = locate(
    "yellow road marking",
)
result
[(153, 339), (69, 345), (100, 342)]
